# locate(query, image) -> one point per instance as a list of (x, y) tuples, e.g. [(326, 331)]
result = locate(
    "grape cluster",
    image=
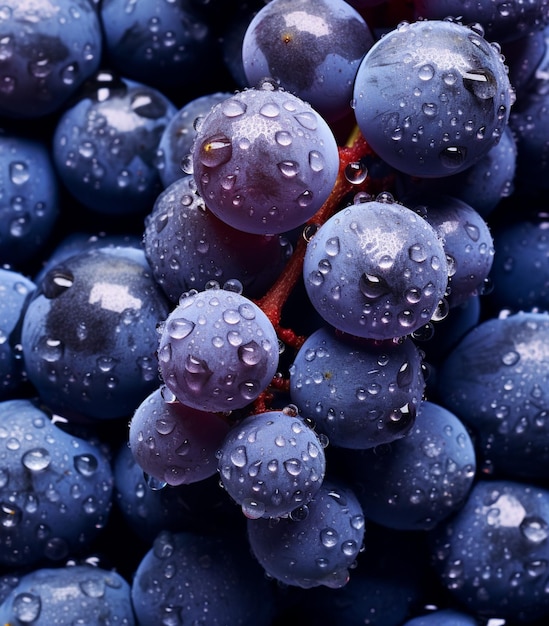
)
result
[(274, 312)]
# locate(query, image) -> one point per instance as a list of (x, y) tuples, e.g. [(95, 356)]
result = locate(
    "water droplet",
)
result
[(270, 110), (307, 120), (373, 287), (481, 83), (289, 169), (215, 151), (26, 607), (510, 358), (233, 108), (179, 328), (239, 457), (329, 537), (37, 459), (253, 509), (283, 138), (535, 529), (453, 157), (293, 466), (426, 72)]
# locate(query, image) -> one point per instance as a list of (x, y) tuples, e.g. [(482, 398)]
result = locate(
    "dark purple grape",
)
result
[(49, 48), (97, 595), (89, 334), (187, 246), (494, 380), (29, 210), (193, 577), (105, 145), (421, 479), (359, 394), (161, 44), (432, 97), (376, 270), (55, 488), (483, 185), (148, 506), (264, 160), (492, 555), (217, 351), (313, 49), (315, 547), (173, 443), (271, 464), (520, 273)]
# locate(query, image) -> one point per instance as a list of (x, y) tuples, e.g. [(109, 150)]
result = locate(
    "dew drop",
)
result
[(215, 151), (37, 459)]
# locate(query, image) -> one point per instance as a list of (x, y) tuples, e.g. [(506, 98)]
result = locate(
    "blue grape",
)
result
[(55, 488), (317, 550), (271, 464), (193, 578), (421, 479), (491, 556), (97, 595), (187, 246), (376, 270), (432, 97), (15, 292), (105, 145), (503, 21), (466, 239), (494, 380), (217, 350), (89, 334), (520, 272), (177, 138), (161, 44), (359, 395), (173, 443), (264, 160), (312, 49), (29, 211), (50, 48)]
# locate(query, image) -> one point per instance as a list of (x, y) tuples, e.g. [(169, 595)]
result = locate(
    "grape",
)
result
[(217, 351), (360, 395), (432, 97), (187, 246), (271, 464), (173, 443), (377, 270), (329, 40), (427, 475), (316, 550), (264, 160)]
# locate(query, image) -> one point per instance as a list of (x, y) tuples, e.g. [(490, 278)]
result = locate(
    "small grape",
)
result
[(264, 160), (376, 270), (218, 350)]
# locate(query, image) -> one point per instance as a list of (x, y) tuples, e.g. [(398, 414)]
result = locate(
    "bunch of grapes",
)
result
[(272, 340)]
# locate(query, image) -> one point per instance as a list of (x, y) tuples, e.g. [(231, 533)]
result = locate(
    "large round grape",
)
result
[(313, 49), (432, 97), (264, 160), (218, 351), (376, 270), (359, 394)]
